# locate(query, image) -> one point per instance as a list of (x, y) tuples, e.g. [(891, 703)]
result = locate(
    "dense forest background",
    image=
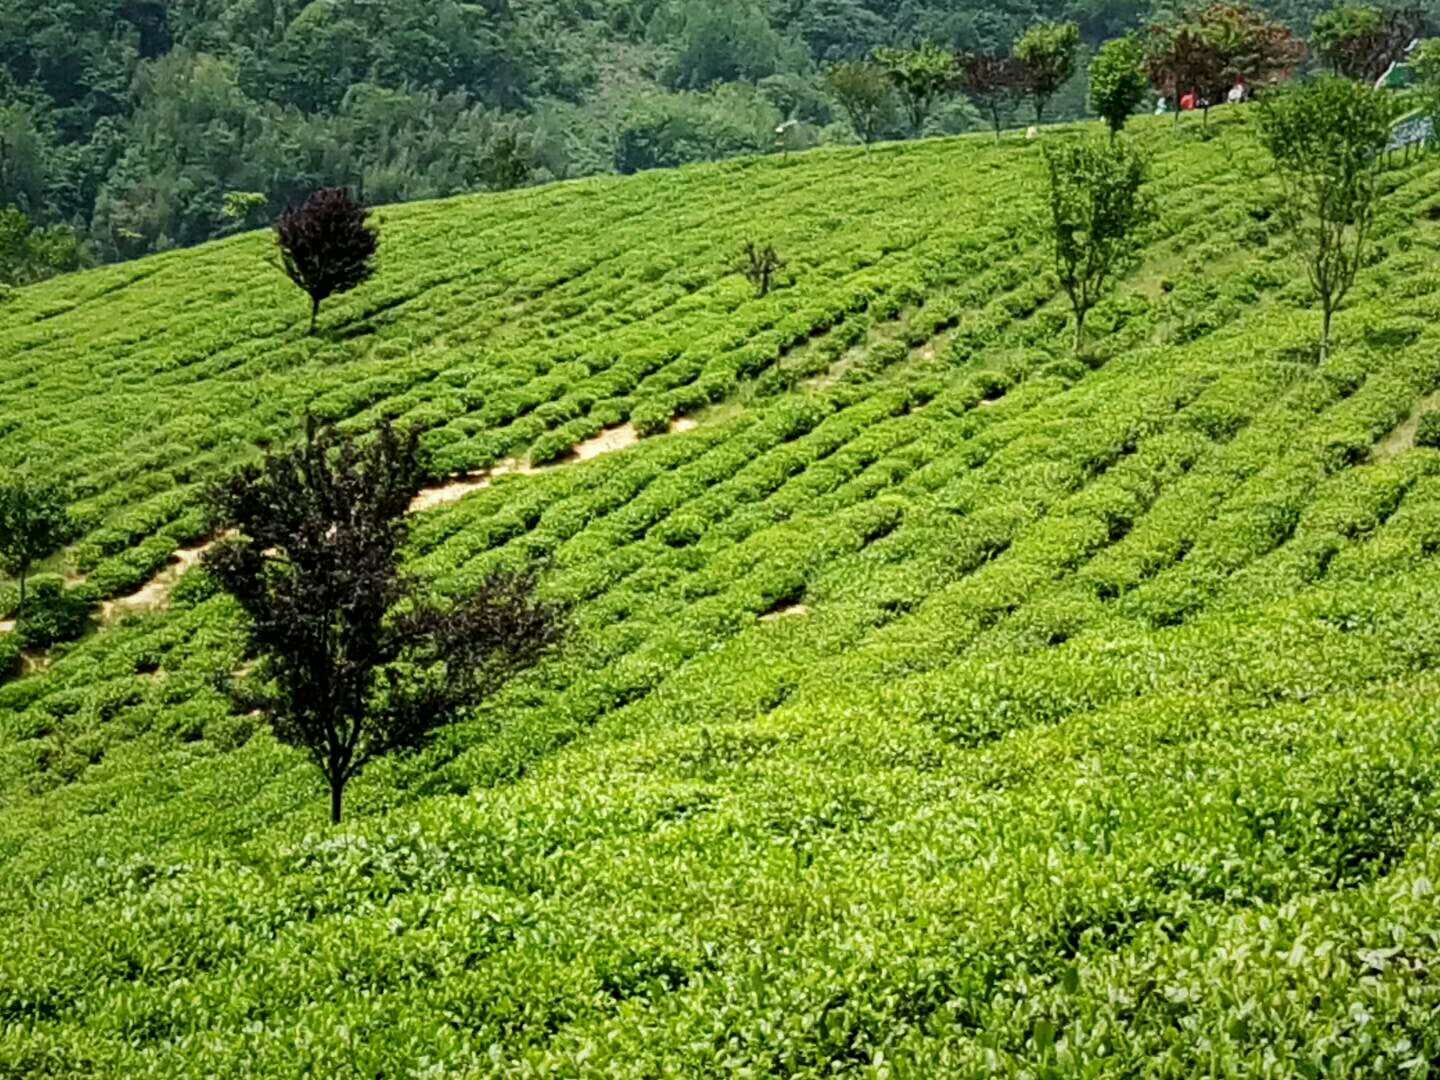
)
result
[(132, 126)]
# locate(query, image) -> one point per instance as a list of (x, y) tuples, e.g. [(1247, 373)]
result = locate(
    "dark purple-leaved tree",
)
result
[(994, 82), (327, 245), (354, 660)]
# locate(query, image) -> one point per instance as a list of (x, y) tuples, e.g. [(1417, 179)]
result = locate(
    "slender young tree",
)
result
[(1117, 81), (359, 661), (327, 245), (865, 94), (1047, 50), (34, 523), (1327, 138), (994, 82), (920, 76), (760, 263), (1097, 208)]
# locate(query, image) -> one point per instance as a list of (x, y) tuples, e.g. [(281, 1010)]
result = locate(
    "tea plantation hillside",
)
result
[(939, 705)]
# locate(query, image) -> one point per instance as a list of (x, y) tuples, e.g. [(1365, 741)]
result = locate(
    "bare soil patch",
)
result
[(791, 611), (1403, 437), (156, 592), (607, 442)]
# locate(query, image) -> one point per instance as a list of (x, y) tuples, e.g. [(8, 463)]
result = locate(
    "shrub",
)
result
[(991, 384), (651, 418), (51, 614), (1427, 432), (195, 586), (680, 530), (551, 446), (10, 648)]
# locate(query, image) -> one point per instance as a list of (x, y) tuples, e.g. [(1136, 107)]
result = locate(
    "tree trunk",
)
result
[(314, 314), (1079, 332), (337, 794), (1325, 335)]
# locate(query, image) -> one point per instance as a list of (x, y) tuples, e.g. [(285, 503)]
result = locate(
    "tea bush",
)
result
[(1427, 432), (939, 706)]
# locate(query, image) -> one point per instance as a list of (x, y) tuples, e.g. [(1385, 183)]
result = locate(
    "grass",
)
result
[(1106, 746)]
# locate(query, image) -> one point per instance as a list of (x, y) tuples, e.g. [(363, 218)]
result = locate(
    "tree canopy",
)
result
[(1326, 138), (1097, 209), (356, 662), (34, 523), (327, 245), (1117, 81), (133, 124), (920, 76), (1359, 41), (1207, 50), (1047, 52)]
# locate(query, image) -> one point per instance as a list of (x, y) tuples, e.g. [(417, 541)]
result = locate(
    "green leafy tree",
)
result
[(1426, 64), (34, 524), (836, 30), (1359, 41), (508, 161), (1097, 208), (1327, 138), (358, 660), (1048, 52), (661, 130), (920, 76), (242, 209), (721, 41), (864, 95), (24, 160), (1117, 81), (28, 254)]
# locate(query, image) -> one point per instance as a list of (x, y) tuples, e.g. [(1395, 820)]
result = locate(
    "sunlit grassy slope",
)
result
[(940, 706)]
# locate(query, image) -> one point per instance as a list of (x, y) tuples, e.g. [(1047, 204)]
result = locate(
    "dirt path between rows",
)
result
[(454, 490), (607, 442), (155, 593)]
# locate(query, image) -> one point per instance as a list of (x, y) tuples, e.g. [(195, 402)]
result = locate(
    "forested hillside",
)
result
[(146, 125), (938, 701)]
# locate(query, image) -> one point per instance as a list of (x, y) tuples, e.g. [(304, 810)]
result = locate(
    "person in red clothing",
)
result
[(1188, 102)]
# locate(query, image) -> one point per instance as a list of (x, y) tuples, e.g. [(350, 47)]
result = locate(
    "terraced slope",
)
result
[(939, 705)]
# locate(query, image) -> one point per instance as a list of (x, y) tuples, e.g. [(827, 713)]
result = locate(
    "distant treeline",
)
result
[(133, 126)]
